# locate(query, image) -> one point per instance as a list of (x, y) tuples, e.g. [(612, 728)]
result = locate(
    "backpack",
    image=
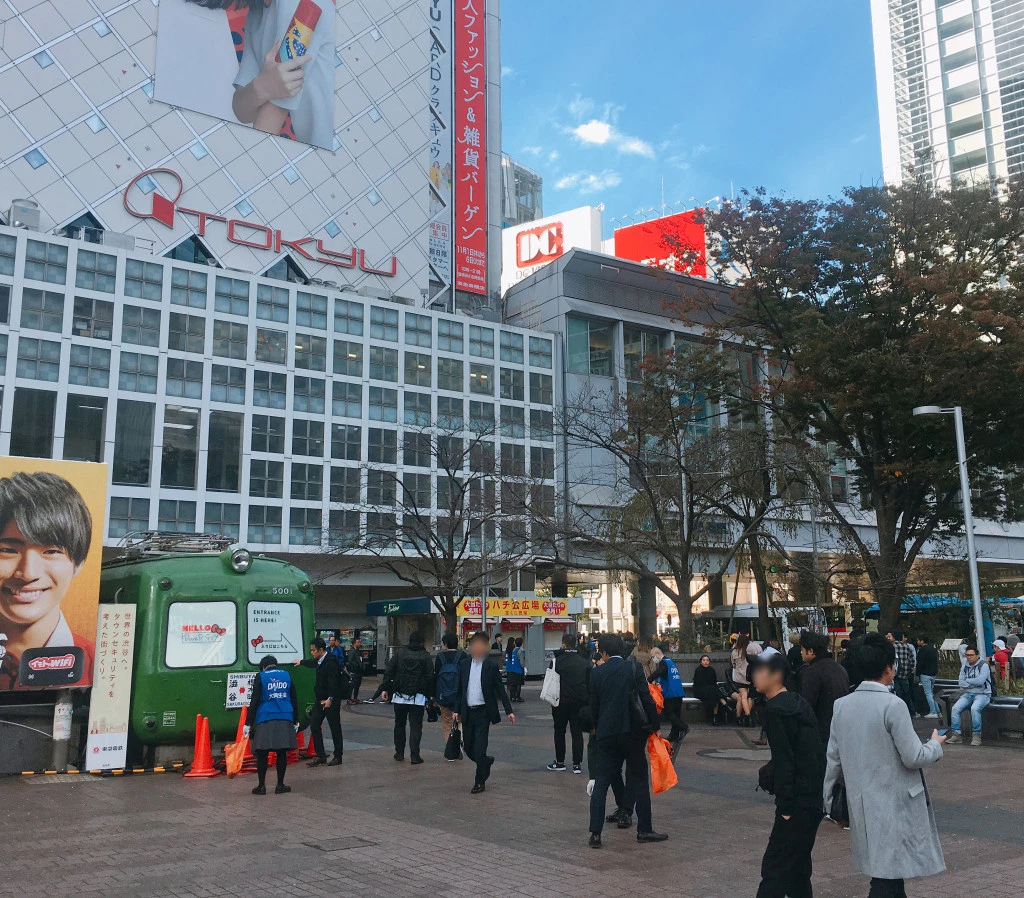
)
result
[(409, 676), (447, 686)]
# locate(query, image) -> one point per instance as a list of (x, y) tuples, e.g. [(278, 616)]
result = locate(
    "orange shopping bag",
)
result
[(663, 774), (657, 695), (234, 754)]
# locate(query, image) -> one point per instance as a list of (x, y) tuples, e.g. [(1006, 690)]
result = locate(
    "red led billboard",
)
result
[(676, 243)]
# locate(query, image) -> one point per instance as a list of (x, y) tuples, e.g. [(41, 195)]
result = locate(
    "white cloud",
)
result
[(601, 133), (532, 151), (589, 182), (553, 156), (594, 131), (507, 70), (580, 107)]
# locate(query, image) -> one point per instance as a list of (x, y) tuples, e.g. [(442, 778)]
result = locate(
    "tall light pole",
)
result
[(965, 494)]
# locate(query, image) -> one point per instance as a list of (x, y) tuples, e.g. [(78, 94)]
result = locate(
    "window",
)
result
[(184, 379), (230, 339), (383, 364), (227, 384), (481, 379), (348, 358), (449, 375), (417, 493), (348, 317), (178, 516), (8, 249), (46, 262), (224, 452), (382, 446), (451, 493), (481, 417), (307, 482), (450, 335), (450, 453), (269, 389), (3, 352), (222, 518), (384, 324), (36, 410), (513, 498), (513, 460), (383, 405), (540, 352), (308, 438), (513, 421), (417, 369), (272, 303), (310, 352), (542, 390), (450, 413), (231, 295), (266, 478), (380, 488), (186, 333), (188, 288), (511, 347), (267, 434), (144, 280), (542, 463), (133, 442), (345, 485), (42, 310), (347, 400), (417, 451), (417, 329), (5, 303), (271, 346), (311, 311), (542, 425), (310, 394), (346, 442), (638, 345), (344, 528), (417, 409), (182, 651), (381, 527), (96, 271), (305, 526), (264, 525), (180, 455), (93, 318), (38, 360), (85, 421), (481, 341), (512, 384), (481, 458), (140, 326), (127, 515), (590, 347)]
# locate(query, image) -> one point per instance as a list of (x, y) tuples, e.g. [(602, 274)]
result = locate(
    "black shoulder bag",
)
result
[(638, 720)]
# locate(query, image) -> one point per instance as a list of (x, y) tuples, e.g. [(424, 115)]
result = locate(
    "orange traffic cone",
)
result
[(248, 759), (202, 756)]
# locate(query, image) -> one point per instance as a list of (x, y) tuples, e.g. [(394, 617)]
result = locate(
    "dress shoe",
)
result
[(415, 759), (613, 817), (651, 837), (625, 821), (317, 762), (477, 789), (399, 756), (595, 840), (259, 790), (282, 789), (334, 762)]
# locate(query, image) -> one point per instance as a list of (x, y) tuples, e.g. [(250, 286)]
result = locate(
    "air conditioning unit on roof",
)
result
[(24, 214)]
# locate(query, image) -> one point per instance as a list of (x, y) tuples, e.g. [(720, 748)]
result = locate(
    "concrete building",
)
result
[(522, 193)]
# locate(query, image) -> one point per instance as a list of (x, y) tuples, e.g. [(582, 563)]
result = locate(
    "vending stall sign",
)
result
[(107, 745)]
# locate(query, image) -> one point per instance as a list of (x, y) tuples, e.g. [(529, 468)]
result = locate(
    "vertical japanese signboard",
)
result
[(107, 745), (441, 148), (471, 147)]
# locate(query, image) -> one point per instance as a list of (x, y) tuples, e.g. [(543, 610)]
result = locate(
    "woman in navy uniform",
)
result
[(667, 675), (274, 711)]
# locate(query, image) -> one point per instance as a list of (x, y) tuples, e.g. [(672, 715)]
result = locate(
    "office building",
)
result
[(522, 193)]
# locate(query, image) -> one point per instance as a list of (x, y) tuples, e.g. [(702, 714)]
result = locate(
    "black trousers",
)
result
[(904, 689), (887, 888), (413, 714), (357, 681), (786, 866), (476, 730), (673, 713), (612, 752), (568, 715), (333, 717)]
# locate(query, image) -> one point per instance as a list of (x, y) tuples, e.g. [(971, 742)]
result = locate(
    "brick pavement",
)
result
[(376, 827)]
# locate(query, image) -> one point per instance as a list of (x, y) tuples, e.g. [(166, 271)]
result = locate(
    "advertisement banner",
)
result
[(270, 66), (51, 544), (497, 608), (675, 243), (239, 690), (442, 101), (529, 247), (471, 147), (107, 745)]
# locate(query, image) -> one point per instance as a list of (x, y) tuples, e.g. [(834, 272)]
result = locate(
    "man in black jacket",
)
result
[(327, 691), (409, 681), (927, 671), (354, 666), (822, 680), (796, 775), (620, 739), (480, 687), (574, 676)]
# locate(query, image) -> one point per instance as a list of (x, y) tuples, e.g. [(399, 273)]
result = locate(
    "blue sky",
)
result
[(606, 98)]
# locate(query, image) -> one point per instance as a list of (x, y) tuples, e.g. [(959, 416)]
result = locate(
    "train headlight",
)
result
[(241, 560)]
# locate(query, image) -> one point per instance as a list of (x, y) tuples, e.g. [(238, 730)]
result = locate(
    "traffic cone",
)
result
[(202, 756)]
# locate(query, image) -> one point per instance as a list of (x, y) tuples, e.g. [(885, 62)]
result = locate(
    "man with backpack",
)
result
[(446, 679), (574, 680), (354, 666), (409, 682)]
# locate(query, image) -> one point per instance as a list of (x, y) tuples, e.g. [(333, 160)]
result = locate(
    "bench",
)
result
[(1002, 720)]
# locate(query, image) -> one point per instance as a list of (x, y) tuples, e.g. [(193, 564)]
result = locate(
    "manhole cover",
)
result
[(734, 754), (344, 843)]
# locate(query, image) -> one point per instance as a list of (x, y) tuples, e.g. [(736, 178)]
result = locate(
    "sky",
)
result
[(606, 98)]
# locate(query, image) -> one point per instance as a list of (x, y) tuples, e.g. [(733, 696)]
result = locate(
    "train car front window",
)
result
[(275, 628), (201, 634)]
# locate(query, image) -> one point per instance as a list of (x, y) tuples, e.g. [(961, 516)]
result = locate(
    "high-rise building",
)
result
[(522, 193), (950, 77)]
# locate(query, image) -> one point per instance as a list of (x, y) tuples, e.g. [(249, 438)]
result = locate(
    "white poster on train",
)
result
[(109, 706)]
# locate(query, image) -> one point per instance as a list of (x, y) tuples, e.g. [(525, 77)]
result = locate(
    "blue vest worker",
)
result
[(514, 664), (276, 703), (672, 685)]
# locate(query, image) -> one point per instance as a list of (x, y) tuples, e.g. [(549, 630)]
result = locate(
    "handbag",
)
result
[(432, 713), (453, 747), (766, 778), (838, 807), (551, 691), (638, 720)]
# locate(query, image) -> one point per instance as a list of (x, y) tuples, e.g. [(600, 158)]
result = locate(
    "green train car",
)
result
[(204, 620)]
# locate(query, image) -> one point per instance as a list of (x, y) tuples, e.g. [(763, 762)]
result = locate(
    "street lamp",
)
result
[(965, 493)]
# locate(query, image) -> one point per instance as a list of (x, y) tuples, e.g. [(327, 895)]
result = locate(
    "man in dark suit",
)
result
[(574, 675), (480, 687), (619, 739), (327, 690)]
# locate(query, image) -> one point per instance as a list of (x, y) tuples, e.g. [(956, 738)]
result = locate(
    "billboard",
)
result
[(51, 544), (526, 248), (268, 64), (675, 243)]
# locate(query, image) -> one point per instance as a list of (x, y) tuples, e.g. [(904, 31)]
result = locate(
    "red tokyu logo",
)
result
[(63, 662)]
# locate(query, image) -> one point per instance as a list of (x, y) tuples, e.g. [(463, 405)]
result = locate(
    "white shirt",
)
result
[(474, 691)]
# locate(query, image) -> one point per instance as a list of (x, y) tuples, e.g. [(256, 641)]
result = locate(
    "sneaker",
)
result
[(399, 756), (282, 789), (259, 790), (614, 816), (415, 759), (595, 840), (577, 769), (625, 821), (651, 837), (976, 739), (954, 739), (556, 765), (931, 716)]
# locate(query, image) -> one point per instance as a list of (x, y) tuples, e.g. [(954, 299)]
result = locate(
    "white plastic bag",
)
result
[(551, 691)]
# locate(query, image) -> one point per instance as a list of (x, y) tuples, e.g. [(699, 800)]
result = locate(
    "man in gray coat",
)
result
[(873, 749)]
